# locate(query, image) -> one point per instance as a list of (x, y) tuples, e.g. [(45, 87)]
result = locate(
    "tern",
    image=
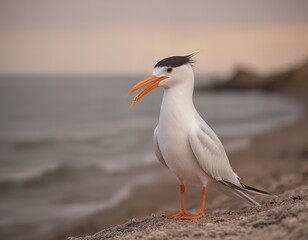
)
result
[(183, 141)]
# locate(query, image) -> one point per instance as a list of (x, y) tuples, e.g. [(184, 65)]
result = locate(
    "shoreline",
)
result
[(264, 155), (283, 217)]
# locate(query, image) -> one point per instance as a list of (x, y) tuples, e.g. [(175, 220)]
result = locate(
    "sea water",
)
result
[(68, 145)]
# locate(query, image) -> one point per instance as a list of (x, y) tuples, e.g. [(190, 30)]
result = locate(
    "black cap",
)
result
[(175, 61)]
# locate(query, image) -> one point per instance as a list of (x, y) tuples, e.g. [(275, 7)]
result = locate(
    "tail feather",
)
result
[(240, 191), (244, 197), (233, 191), (247, 189), (252, 190)]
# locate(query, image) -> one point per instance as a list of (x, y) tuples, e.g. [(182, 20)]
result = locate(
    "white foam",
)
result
[(29, 173)]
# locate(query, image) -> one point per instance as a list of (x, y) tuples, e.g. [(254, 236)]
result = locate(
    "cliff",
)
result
[(244, 79)]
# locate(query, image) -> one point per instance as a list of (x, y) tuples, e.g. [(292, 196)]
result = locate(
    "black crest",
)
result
[(175, 61)]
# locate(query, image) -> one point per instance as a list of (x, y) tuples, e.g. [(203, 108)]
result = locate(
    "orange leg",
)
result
[(182, 211), (201, 213)]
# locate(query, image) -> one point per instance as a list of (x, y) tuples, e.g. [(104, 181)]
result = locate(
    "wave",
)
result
[(287, 111), (129, 162), (84, 209), (75, 210), (42, 175), (45, 174), (35, 143), (62, 171), (94, 135), (24, 144)]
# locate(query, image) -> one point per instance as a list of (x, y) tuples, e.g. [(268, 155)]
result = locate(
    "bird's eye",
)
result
[(169, 70)]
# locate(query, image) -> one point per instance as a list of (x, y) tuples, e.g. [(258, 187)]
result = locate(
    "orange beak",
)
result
[(152, 82)]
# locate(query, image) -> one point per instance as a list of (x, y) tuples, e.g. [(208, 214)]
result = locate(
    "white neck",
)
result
[(177, 104)]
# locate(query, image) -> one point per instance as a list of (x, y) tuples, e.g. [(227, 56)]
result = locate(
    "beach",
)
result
[(73, 153), (283, 218), (80, 160), (77, 159), (275, 161)]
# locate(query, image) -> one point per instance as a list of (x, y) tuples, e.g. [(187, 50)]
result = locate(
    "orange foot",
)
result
[(192, 217), (174, 215)]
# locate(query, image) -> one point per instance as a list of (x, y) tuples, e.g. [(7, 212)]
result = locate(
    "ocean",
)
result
[(68, 145)]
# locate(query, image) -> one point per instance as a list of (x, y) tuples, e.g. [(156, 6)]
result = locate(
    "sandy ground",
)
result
[(282, 218), (276, 162)]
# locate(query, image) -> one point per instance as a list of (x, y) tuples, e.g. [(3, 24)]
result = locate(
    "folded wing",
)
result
[(211, 156), (156, 148)]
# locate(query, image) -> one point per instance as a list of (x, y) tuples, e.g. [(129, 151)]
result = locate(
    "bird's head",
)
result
[(167, 73)]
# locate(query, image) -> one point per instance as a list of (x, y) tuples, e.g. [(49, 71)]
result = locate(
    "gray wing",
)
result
[(211, 156), (157, 150), (214, 161)]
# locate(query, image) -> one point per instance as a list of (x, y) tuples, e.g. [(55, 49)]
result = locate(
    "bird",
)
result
[(183, 142)]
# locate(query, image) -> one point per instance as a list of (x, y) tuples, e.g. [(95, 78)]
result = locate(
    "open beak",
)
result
[(152, 82)]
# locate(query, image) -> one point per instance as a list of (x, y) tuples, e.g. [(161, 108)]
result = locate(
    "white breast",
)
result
[(176, 120)]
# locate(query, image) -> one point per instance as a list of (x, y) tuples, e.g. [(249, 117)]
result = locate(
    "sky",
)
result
[(129, 37)]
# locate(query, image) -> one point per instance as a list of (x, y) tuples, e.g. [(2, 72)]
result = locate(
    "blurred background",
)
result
[(69, 146)]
